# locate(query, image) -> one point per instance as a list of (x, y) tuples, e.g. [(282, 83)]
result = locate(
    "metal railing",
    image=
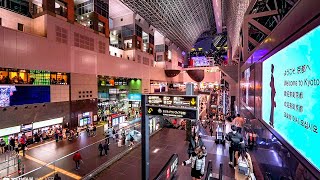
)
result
[(10, 165)]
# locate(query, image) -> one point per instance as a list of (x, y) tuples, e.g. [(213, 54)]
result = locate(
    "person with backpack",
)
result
[(243, 165), (194, 143), (100, 148), (235, 139)]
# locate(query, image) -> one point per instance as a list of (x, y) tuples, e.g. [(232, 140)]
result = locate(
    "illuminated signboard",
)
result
[(290, 95), (170, 112), (166, 100), (5, 92)]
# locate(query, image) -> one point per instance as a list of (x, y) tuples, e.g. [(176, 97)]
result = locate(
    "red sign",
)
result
[(168, 173)]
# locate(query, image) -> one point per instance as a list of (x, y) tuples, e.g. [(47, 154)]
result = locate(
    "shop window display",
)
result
[(35, 77), (118, 96)]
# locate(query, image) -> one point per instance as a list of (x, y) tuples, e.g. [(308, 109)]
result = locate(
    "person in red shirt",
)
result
[(77, 158), (23, 143)]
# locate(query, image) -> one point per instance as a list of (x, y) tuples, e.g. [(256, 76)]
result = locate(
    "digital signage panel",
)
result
[(291, 94), (165, 100)]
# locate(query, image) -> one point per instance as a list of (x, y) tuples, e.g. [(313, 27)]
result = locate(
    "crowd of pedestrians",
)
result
[(239, 158)]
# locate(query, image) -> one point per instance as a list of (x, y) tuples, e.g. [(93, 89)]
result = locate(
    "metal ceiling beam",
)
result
[(181, 21)]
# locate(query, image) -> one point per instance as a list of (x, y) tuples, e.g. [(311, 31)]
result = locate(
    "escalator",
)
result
[(169, 170), (210, 175)]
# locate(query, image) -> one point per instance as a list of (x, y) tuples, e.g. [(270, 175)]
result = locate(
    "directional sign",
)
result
[(173, 112), (172, 100)]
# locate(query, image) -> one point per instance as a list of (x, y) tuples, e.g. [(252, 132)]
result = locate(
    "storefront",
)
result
[(156, 87), (85, 119), (44, 126), (154, 123), (116, 119), (118, 96), (30, 129), (7, 133)]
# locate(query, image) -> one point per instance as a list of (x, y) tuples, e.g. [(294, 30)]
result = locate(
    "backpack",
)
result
[(243, 166)]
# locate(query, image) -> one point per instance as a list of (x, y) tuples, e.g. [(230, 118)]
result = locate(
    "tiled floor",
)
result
[(168, 141), (52, 151)]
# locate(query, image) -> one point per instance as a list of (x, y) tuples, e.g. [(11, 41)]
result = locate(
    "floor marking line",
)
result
[(67, 173), (47, 175)]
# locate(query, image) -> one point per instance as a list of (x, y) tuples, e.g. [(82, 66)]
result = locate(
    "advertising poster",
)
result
[(291, 94)]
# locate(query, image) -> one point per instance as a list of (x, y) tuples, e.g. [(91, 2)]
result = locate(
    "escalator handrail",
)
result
[(220, 171), (164, 168), (209, 170)]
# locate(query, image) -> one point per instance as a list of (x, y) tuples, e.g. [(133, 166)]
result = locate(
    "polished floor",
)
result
[(35, 163), (162, 146)]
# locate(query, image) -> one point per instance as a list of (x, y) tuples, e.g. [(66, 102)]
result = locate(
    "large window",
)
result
[(101, 27), (20, 6), (151, 39), (61, 8), (35, 77), (138, 31), (160, 48), (101, 8)]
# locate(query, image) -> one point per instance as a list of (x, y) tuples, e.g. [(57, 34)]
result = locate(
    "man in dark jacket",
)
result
[(235, 138), (106, 148), (100, 148)]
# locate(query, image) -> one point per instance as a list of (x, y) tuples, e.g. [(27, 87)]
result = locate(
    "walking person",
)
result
[(2, 145), (243, 165), (23, 142), (113, 134), (16, 146), (78, 131), (107, 136), (56, 136), (197, 161), (194, 143), (11, 144), (131, 139), (235, 139), (106, 148), (77, 158), (239, 122), (94, 129), (211, 130), (100, 148)]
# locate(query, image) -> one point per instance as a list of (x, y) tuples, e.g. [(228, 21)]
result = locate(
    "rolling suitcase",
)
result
[(220, 137)]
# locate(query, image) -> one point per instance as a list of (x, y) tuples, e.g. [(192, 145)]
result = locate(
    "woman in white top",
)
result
[(228, 123)]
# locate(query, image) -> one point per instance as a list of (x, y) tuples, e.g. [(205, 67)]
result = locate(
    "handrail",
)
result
[(174, 159), (209, 171), (220, 171)]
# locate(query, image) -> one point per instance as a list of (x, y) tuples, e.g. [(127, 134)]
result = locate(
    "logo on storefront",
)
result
[(150, 110), (159, 111)]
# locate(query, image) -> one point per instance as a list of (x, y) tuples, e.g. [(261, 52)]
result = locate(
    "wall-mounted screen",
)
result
[(291, 94), (30, 95)]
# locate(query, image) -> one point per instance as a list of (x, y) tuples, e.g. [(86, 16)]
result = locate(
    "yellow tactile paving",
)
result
[(47, 175), (57, 169)]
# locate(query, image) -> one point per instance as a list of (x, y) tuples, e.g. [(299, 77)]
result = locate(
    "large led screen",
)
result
[(291, 94)]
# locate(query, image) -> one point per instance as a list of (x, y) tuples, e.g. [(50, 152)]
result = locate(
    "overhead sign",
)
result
[(172, 112), (168, 100)]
